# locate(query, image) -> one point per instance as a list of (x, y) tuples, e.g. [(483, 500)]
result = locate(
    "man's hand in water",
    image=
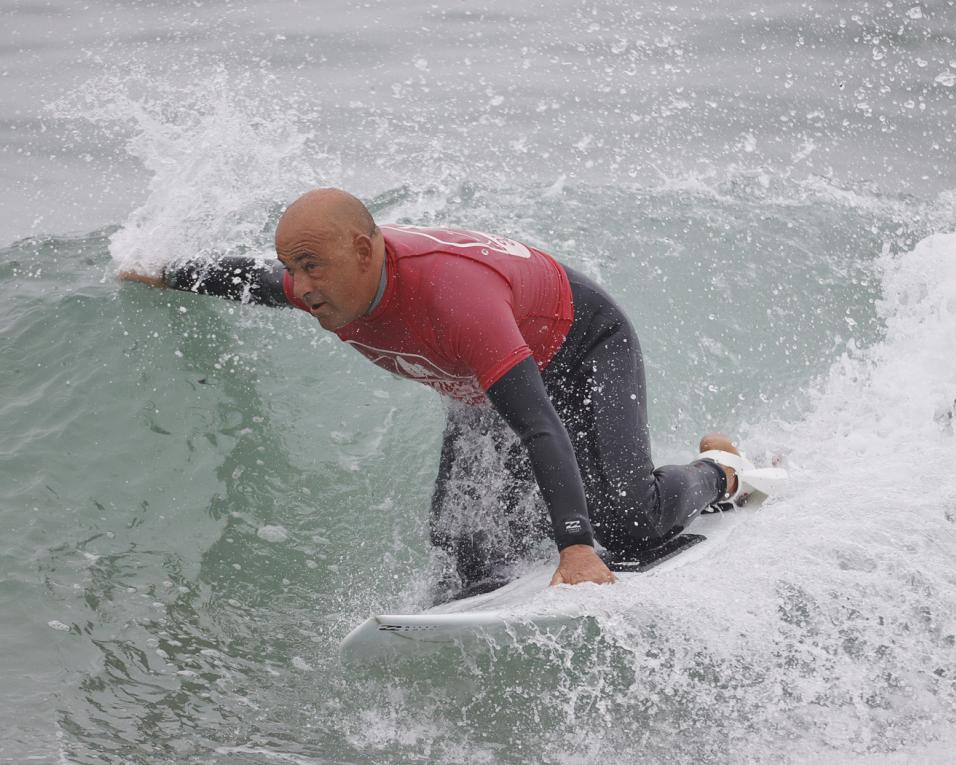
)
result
[(134, 276), (579, 563)]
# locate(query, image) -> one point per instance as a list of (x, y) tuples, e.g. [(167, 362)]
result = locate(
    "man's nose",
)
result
[(300, 286)]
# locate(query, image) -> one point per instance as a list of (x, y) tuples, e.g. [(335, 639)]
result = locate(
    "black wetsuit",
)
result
[(586, 416)]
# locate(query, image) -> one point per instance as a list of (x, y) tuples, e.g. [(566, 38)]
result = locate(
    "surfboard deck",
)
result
[(526, 606)]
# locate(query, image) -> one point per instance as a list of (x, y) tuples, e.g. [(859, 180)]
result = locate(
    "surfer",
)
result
[(486, 319)]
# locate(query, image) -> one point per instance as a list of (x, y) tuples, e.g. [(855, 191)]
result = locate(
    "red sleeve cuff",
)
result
[(504, 366)]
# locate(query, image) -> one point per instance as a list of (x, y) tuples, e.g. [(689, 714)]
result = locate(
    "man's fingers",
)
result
[(561, 577), (135, 276)]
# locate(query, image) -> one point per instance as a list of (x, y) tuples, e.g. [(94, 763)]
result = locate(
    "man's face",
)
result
[(332, 276)]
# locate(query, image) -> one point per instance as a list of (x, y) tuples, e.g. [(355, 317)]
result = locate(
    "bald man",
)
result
[(524, 345)]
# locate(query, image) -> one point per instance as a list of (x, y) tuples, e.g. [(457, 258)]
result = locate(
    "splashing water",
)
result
[(220, 159)]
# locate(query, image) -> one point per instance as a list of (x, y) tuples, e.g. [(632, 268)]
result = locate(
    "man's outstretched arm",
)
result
[(234, 278), (521, 399)]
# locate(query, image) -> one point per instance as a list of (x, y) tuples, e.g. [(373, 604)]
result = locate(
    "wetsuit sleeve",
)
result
[(521, 399), (234, 278)]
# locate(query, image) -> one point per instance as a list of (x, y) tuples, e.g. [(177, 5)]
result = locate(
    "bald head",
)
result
[(324, 215), (334, 253)]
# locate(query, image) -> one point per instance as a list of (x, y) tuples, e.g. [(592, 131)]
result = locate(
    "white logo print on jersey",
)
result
[(481, 241), (415, 367)]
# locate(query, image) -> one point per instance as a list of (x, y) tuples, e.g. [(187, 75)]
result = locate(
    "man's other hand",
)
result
[(579, 563), (135, 276)]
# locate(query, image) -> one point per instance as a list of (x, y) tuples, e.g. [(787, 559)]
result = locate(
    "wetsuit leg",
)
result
[(484, 513), (598, 386)]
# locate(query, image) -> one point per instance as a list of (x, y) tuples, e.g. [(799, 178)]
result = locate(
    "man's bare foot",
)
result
[(724, 444)]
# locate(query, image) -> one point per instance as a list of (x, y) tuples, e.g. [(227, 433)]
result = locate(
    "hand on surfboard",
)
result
[(578, 564)]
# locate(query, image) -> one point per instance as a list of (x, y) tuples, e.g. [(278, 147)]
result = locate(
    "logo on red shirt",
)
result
[(491, 241), (416, 367)]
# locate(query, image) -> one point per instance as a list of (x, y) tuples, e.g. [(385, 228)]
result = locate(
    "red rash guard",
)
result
[(460, 309)]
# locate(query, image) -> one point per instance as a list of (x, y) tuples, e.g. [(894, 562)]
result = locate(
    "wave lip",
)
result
[(891, 405), (218, 157)]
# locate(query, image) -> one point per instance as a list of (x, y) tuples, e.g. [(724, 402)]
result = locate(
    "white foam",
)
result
[(828, 617), (878, 415), (273, 533), (845, 592), (218, 155), (301, 664)]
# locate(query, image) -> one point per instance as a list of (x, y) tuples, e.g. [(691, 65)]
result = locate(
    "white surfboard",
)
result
[(527, 606)]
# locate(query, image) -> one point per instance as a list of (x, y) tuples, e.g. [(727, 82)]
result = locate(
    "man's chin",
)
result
[(330, 323)]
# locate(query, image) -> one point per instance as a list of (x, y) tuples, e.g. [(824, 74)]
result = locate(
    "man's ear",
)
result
[(363, 249)]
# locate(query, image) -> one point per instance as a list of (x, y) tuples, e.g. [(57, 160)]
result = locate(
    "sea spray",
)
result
[(221, 160)]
